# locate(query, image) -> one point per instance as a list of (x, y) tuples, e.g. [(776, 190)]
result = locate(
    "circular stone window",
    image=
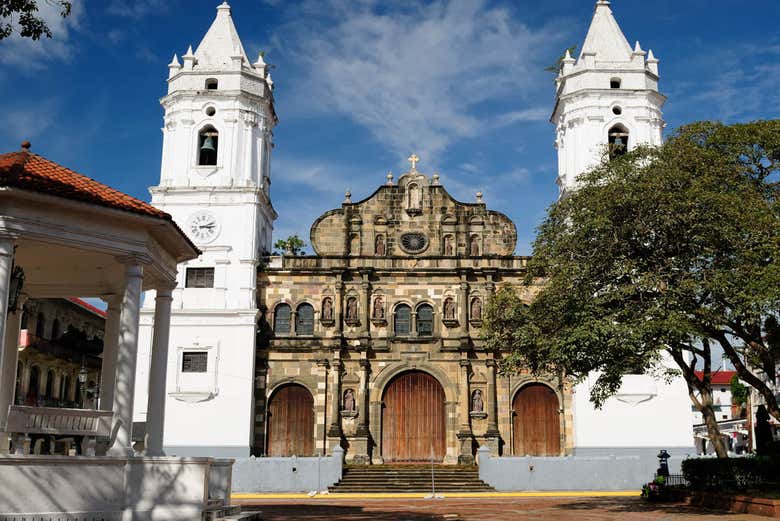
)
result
[(414, 242), (210, 111), (617, 110)]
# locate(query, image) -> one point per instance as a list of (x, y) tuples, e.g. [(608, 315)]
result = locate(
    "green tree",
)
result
[(663, 252), (292, 245), (24, 13)]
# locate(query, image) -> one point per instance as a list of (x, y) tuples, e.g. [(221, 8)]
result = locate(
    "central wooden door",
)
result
[(413, 419), (291, 422), (537, 426)]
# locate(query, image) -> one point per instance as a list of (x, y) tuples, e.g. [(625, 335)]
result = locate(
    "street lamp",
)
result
[(15, 289), (83, 374)]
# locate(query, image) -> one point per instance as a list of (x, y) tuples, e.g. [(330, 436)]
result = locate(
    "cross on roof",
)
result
[(413, 159)]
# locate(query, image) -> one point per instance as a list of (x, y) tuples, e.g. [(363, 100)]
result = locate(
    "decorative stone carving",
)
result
[(379, 249), (474, 245), (477, 404), (449, 245), (378, 312), (351, 315), (348, 404), (476, 310), (449, 312)]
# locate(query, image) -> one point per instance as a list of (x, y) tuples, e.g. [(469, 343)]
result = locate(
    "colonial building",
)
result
[(378, 333), (373, 342)]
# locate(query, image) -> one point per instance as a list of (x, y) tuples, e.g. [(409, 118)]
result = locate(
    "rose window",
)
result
[(414, 242)]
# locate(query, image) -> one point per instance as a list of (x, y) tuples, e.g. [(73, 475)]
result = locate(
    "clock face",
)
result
[(203, 227)]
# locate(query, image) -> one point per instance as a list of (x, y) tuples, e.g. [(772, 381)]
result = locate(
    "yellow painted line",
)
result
[(399, 495)]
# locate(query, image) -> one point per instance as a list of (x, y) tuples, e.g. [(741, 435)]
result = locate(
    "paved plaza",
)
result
[(501, 509)]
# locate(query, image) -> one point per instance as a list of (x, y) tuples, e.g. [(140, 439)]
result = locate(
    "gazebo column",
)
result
[(7, 323), (492, 436), (10, 358), (127, 356), (155, 416), (110, 343)]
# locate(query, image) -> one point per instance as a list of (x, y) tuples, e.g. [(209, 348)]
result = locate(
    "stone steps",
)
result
[(216, 510), (409, 478)]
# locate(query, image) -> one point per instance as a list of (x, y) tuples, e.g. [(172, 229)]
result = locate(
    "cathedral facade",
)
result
[(373, 343)]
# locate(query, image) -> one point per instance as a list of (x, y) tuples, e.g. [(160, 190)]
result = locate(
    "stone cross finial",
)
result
[(413, 159), (479, 197), (389, 178)]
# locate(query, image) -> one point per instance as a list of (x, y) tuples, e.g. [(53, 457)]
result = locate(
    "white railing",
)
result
[(58, 422)]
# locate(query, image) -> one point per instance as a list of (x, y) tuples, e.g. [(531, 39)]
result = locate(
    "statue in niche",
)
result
[(449, 309), (349, 401), (477, 404), (476, 309), (379, 309), (352, 314), (354, 244), (380, 246), (415, 202), (474, 245), (448, 246), (327, 309)]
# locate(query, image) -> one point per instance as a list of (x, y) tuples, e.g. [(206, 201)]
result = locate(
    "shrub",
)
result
[(730, 473)]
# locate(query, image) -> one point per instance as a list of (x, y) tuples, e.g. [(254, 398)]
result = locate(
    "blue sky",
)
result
[(360, 85)]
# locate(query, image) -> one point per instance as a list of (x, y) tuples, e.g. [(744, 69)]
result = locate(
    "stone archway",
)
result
[(291, 422), (414, 422), (536, 421)]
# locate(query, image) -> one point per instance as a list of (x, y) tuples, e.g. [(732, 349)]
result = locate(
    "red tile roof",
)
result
[(89, 307), (30, 171), (718, 377)]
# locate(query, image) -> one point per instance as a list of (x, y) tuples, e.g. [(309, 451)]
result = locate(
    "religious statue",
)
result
[(477, 405), (380, 246), (354, 244), (414, 197), (449, 309), (349, 401), (448, 246), (476, 309), (352, 313), (379, 309), (327, 309), (474, 245)]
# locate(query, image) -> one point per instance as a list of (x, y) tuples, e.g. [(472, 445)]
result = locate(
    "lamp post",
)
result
[(83, 374), (15, 289)]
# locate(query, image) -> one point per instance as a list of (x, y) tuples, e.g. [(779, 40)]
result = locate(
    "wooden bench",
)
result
[(58, 423)]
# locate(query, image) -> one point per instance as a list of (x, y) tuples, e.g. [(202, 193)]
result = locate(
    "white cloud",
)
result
[(28, 122), (30, 55), (135, 8), (417, 76)]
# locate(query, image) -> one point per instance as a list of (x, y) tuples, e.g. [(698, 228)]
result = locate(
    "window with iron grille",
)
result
[(304, 320), (425, 320), (282, 315), (200, 278), (402, 320), (194, 362)]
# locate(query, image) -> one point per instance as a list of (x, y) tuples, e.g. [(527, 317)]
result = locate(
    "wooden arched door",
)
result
[(537, 426), (291, 422), (413, 419)]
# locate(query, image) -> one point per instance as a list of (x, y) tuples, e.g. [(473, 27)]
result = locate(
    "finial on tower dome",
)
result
[(389, 178), (26, 145), (602, 3), (347, 197), (224, 6), (189, 52), (174, 61), (479, 197), (638, 48)]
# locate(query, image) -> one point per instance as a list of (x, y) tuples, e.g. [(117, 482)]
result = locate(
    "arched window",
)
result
[(55, 330), (304, 320), (65, 388), (618, 141), (208, 142), (40, 325), (425, 320), (614, 83), (25, 319), (403, 320), (282, 315), (212, 84), (32, 386)]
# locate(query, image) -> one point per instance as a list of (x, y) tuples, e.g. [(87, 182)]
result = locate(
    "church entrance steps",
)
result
[(409, 478)]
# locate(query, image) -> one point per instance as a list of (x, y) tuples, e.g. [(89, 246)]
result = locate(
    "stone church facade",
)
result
[(372, 331)]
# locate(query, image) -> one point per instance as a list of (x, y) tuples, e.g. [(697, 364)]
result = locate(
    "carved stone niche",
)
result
[(350, 382), (351, 313), (449, 312), (327, 312), (378, 315)]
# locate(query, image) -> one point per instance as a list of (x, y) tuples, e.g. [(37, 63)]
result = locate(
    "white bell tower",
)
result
[(607, 99), (215, 182)]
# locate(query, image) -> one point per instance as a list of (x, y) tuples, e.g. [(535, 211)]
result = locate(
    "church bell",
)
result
[(208, 145)]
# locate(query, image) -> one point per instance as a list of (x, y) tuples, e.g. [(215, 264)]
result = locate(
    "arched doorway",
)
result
[(536, 422), (413, 419), (291, 422)]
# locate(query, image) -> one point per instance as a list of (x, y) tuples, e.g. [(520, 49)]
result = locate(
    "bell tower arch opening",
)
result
[(208, 143)]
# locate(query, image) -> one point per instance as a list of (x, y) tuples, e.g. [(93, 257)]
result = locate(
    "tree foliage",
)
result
[(662, 252), (25, 15), (292, 245), (556, 67)]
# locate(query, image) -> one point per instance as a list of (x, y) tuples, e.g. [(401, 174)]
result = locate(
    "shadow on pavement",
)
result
[(636, 505), (332, 512)]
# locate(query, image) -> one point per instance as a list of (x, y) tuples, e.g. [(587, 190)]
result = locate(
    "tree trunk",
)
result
[(713, 431)]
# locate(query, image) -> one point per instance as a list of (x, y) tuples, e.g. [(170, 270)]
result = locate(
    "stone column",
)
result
[(359, 446), (158, 372), (320, 403), (127, 356), (6, 267), (465, 456), (463, 309), (492, 435), (334, 430), (365, 306), (337, 307), (10, 356), (110, 342)]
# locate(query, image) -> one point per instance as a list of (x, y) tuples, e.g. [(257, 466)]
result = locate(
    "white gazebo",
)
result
[(63, 235)]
